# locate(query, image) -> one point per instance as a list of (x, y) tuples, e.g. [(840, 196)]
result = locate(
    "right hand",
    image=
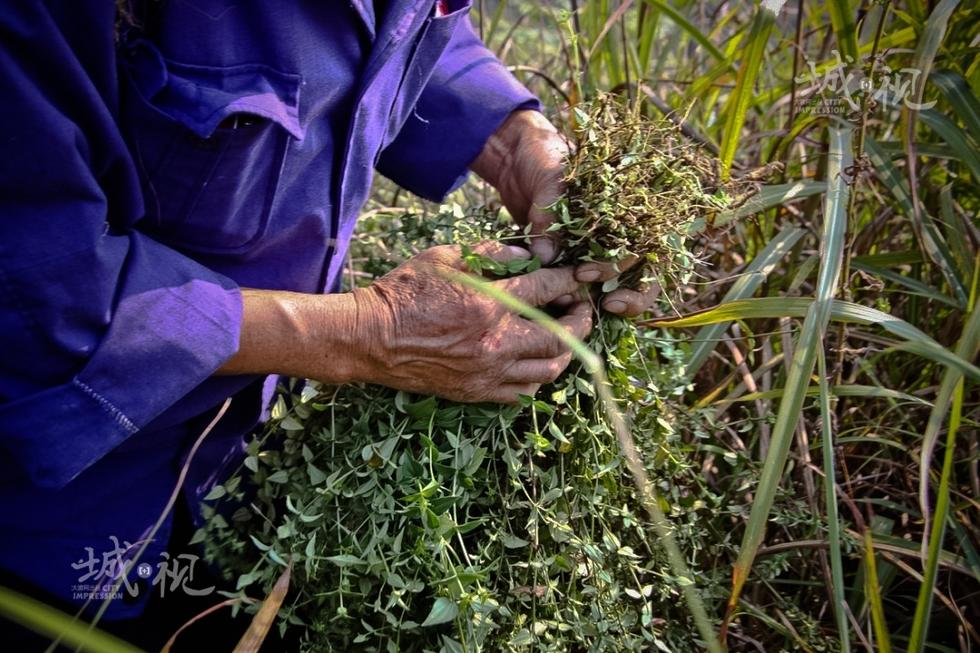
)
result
[(428, 334)]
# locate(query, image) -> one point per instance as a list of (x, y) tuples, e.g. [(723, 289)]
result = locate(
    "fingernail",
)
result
[(588, 275), (615, 306), (519, 252), (564, 299)]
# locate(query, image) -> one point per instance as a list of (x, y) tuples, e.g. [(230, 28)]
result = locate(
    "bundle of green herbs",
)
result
[(417, 524), (635, 187)]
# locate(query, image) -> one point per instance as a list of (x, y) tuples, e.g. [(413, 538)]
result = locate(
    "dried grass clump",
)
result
[(635, 186)]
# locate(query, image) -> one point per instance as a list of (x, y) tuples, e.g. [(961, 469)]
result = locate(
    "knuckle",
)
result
[(556, 347), (555, 368)]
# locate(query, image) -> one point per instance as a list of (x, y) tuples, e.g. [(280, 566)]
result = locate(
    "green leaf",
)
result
[(443, 611), (949, 401), (690, 29), (216, 492), (345, 560), (316, 475), (282, 476)]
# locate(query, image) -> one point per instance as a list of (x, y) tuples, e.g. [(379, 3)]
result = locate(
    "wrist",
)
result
[(297, 334), (374, 330)]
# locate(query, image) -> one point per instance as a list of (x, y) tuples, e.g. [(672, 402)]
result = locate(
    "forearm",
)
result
[(297, 334)]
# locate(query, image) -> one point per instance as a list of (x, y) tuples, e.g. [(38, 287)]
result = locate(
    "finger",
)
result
[(533, 341), (596, 271), (500, 252), (541, 286), (510, 393), (564, 301), (578, 320), (452, 255), (629, 302), (543, 243), (537, 370)]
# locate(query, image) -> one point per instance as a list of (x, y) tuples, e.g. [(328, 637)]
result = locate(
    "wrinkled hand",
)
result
[(431, 335), (524, 160)]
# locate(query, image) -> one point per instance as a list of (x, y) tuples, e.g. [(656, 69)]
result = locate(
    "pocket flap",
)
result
[(201, 97)]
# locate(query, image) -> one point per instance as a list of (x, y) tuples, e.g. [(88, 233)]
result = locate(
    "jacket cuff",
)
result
[(173, 326)]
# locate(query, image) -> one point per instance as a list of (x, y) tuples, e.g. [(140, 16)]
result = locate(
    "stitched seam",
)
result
[(116, 414)]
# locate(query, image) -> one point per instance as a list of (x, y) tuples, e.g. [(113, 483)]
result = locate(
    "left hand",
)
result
[(525, 161)]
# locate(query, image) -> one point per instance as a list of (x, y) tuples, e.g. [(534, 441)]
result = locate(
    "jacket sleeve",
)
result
[(469, 95), (103, 327)]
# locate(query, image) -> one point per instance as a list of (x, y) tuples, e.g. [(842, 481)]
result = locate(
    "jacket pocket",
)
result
[(209, 144), (432, 41)]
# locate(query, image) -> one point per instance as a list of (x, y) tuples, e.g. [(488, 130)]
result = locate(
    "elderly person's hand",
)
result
[(436, 336), (416, 329), (524, 160)]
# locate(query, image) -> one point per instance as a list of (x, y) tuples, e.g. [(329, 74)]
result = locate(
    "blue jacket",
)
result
[(144, 179)]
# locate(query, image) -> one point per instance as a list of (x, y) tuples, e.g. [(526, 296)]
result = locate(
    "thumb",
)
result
[(543, 244)]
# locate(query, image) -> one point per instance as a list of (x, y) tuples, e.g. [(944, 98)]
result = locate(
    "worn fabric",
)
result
[(146, 178)]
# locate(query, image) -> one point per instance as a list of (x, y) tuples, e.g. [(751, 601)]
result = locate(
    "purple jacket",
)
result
[(220, 144)]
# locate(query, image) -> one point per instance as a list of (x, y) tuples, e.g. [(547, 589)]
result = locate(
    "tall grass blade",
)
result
[(956, 232), (830, 499), (950, 392), (872, 591), (954, 137), (810, 339), (649, 24), (686, 26), (745, 286), (55, 624), (846, 390), (923, 606), (914, 286), (770, 196), (842, 20), (491, 29), (738, 103), (258, 629), (955, 89), (916, 342), (771, 307), (929, 42), (931, 241)]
